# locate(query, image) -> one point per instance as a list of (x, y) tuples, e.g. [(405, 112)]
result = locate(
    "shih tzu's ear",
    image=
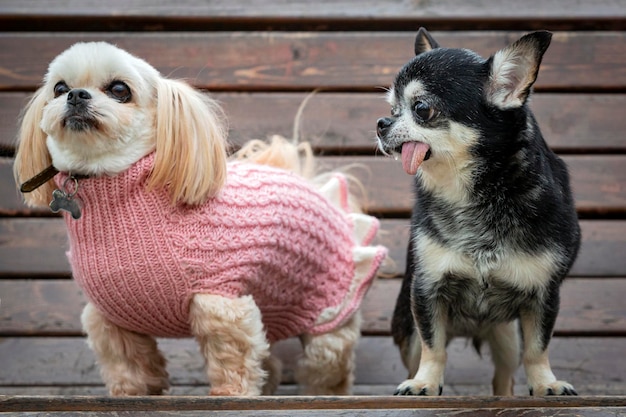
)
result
[(424, 42), (32, 155), (190, 159)]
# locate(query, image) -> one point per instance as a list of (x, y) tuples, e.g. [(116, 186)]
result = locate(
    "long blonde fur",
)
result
[(190, 143), (291, 155), (32, 155), (279, 153)]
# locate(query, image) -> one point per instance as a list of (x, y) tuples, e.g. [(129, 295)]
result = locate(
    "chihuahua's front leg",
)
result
[(232, 341), (431, 326), (537, 325)]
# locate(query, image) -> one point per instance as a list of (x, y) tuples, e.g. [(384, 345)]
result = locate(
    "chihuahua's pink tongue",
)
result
[(413, 154)]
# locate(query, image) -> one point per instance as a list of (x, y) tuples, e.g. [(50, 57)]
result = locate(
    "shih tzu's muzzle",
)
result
[(77, 97)]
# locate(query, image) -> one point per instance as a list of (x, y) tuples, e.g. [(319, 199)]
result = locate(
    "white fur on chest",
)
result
[(521, 270)]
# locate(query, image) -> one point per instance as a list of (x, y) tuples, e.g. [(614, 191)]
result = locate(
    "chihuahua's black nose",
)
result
[(77, 95), (382, 126)]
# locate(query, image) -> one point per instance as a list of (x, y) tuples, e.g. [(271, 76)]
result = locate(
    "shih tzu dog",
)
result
[(169, 237)]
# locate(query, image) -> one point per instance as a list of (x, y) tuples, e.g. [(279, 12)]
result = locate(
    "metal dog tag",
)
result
[(66, 200)]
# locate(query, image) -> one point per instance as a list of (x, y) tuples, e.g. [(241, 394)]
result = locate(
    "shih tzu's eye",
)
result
[(60, 88), (423, 112), (119, 91)]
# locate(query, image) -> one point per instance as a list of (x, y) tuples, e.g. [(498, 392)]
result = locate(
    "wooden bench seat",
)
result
[(288, 61), (261, 60)]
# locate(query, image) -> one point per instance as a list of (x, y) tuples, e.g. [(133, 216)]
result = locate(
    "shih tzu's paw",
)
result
[(133, 387)]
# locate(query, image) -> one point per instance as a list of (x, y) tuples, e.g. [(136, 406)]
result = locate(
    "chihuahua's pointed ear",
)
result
[(32, 155), (190, 160), (513, 70), (424, 42)]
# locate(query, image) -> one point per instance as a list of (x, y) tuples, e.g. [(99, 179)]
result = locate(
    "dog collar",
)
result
[(39, 179), (63, 198), (44, 176)]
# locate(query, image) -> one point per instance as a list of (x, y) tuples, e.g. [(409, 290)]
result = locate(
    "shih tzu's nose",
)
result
[(77, 95), (382, 126)]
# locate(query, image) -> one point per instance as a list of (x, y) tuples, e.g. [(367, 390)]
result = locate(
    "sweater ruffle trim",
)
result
[(367, 258)]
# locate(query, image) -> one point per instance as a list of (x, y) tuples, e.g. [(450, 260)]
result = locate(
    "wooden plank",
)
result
[(62, 9), (345, 122), (600, 255), (590, 307), (37, 246), (605, 388), (306, 60), (285, 411), (24, 239), (417, 406), (51, 361), (321, 15), (495, 412), (597, 181)]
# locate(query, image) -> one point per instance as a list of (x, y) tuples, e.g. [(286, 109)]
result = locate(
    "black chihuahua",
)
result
[(494, 229)]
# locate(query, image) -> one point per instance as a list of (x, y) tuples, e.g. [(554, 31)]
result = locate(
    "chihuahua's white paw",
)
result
[(554, 388), (417, 387)]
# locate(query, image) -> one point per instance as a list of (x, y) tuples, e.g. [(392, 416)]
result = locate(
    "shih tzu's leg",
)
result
[(327, 365), (232, 341), (274, 367), (130, 363), (506, 353)]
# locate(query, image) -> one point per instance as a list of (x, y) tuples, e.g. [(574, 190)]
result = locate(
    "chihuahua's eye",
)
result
[(60, 88), (423, 112), (119, 91)]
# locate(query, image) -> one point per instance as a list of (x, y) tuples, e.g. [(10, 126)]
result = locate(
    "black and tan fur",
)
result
[(494, 230)]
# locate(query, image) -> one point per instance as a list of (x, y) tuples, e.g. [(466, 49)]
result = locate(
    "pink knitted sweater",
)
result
[(268, 233)]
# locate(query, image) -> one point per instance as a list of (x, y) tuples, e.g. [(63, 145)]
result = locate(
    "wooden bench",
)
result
[(261, 60)]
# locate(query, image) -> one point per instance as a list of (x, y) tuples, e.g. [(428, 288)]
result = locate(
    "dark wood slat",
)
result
[(38, 246), (23, 240), (345, 122), (322, 15), (317, 406), (601, 389), (603, 242), (301, 9), (47, 361), (597, 181), (285, 411), (592, 307), (304, 61)]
